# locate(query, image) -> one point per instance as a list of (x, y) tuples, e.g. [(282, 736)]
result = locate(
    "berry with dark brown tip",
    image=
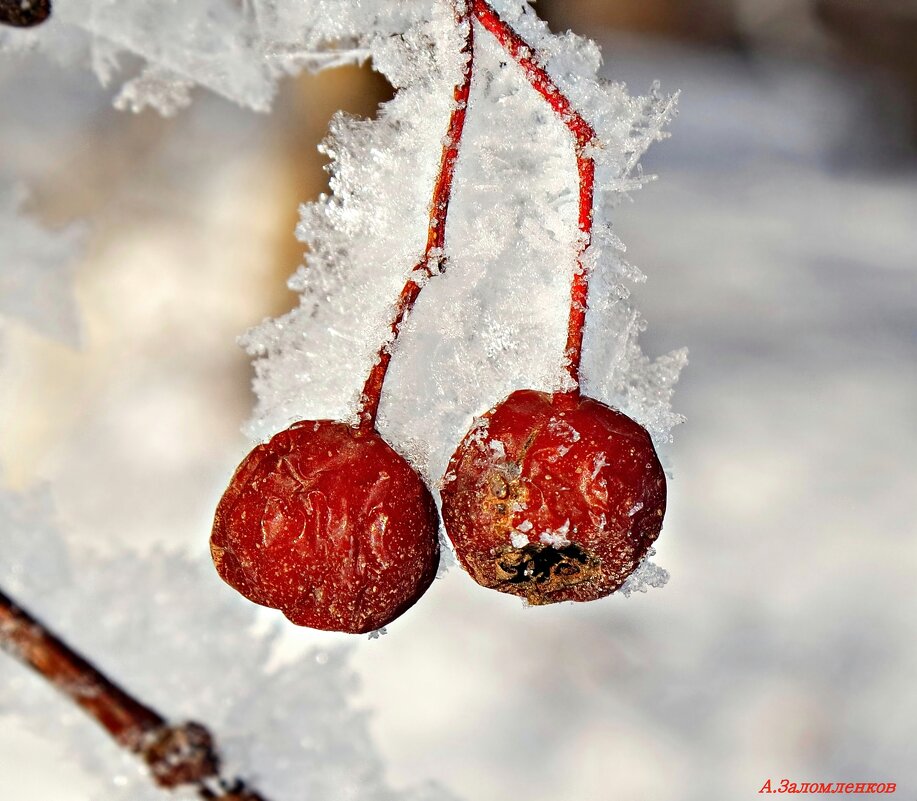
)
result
[(553, 497)]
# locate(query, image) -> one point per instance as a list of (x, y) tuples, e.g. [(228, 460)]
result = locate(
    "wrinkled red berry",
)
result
[(330, 525), (553, 498)]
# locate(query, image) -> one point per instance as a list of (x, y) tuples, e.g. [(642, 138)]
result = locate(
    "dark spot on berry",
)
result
[(498, 485), (539, 569)]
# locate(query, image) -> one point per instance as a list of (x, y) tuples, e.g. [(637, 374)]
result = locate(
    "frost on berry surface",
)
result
[(161, 627), (35, 269), (496, 319), (648, 574)]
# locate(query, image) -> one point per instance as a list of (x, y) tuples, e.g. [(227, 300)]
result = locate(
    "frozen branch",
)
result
[(176, 755)]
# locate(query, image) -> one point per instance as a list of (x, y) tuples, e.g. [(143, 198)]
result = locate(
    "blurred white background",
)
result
[(781, 248)]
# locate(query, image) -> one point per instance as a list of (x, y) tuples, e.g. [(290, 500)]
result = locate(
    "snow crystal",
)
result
[(560, 427), (510, 245), (158, 88), (238, 50), (648, 574), (556, 538), (498, 448), (518, 539), (498, 337)]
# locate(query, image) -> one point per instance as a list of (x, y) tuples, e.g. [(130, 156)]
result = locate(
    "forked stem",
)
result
[(177, 755), (584, 138), (433, 260)]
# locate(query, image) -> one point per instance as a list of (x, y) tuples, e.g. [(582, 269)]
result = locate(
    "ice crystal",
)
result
[(495, 320), (237, 49), (509, 251), (648, 574)]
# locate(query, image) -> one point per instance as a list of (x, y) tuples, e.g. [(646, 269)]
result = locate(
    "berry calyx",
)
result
[(553, 498), (327, 523)]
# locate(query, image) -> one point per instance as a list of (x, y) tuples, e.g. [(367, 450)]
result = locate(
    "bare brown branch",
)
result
[(176, 754)]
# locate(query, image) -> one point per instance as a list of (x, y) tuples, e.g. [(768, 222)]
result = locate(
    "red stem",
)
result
[(176, 755), (436, 232), (584, 136)]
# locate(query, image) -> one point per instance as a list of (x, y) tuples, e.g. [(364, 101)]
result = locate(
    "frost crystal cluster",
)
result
[(495, 320), (237, 49)]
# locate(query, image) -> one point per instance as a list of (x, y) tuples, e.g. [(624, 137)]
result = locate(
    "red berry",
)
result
[(330, 525), (553, 498)]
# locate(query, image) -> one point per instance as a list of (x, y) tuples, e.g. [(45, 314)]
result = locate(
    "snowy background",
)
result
[(781, 247)]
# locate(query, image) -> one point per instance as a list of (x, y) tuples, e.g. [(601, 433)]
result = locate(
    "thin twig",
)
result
[(433, 260), (177, 755), (584, 138)]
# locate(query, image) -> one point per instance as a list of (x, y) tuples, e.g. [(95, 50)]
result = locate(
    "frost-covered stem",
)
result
[(433, 260), (176, 755), (584, 138)]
